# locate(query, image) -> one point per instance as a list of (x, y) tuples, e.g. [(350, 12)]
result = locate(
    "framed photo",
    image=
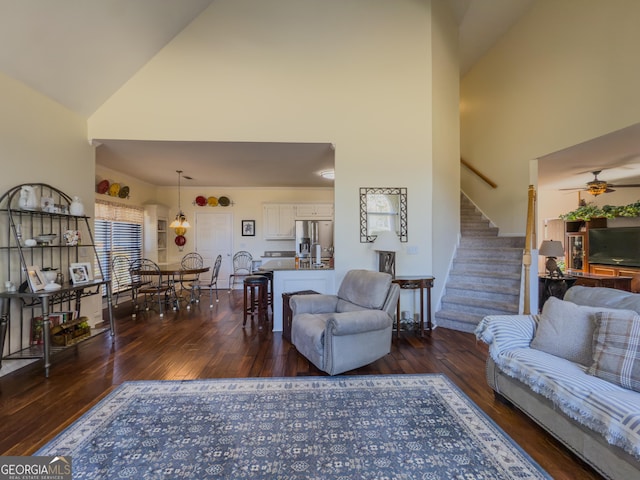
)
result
[(37, 281), (248, 228), (79, 273), (47, 205), (88, 266)]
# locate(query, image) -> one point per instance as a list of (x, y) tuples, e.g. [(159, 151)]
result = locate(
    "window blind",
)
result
[(118, 231)]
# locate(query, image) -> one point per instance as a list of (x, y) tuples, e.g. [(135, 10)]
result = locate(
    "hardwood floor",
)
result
[(204, 343)]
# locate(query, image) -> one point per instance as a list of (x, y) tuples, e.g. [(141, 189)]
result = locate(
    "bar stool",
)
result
[(269, 276), (255, 297)]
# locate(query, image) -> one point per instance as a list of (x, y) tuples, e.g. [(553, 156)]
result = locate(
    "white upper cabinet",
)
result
[(279, 221), (313, 211)]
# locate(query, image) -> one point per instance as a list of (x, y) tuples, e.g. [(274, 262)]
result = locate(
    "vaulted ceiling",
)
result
[(80, 52)]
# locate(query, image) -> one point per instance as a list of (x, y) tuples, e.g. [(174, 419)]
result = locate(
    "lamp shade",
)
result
[(387, 241), (180, 222), (551, 248)]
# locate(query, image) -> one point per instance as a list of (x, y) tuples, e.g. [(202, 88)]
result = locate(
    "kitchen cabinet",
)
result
[(314, 211), (156, 231), (279, 221)]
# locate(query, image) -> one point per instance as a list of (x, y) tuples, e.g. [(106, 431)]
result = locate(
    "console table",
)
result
[(422, 283)]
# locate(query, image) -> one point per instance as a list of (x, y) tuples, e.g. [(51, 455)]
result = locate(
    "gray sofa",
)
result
[(557, 373), (348, 330)]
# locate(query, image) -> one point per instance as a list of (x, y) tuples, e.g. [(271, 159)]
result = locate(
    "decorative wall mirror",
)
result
[(383, 209)]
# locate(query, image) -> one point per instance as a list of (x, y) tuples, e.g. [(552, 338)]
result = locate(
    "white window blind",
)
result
[(118, 231), (116, 212)]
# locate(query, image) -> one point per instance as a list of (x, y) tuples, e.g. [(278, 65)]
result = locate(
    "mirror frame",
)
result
[(401, 192)]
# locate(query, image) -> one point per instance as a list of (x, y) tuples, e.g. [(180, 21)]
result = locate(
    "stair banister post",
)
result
[(526, 256)]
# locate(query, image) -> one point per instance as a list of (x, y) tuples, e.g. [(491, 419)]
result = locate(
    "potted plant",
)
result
[(597, 216), (586, 212)]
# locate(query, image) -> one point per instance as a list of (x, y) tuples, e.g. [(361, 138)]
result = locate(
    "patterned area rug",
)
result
[(359, 427)]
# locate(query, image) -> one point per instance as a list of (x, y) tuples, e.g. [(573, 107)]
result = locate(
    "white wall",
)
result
[(40, 141), (357, 74), (445, 221), (564, 74)]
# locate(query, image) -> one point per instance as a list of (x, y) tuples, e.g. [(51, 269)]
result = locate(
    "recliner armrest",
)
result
[(349, 323), (313, 303)]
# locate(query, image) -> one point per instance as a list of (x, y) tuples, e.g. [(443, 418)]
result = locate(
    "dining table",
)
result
[(176, 269), (172, 273)]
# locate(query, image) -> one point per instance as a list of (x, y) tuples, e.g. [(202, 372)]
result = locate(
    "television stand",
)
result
[(605, 277)]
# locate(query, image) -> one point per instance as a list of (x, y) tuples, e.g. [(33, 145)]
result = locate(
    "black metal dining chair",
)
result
[(211, 285), (120, 276), (151, 285), (190, 261)]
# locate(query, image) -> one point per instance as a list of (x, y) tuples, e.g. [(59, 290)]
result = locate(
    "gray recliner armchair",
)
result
[(348, 330)]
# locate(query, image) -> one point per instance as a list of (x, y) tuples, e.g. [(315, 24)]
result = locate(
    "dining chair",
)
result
[(120, 275), (242, 266), (190, 261), (151, 285), (211, 285)]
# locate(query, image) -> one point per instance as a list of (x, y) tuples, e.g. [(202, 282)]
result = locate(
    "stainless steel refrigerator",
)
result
[(314, 239)]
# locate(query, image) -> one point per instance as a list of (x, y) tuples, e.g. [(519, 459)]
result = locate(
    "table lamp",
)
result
[(387, 244), (552, 249)]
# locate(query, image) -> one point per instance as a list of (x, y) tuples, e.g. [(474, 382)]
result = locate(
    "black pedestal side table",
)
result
[(553, 287)]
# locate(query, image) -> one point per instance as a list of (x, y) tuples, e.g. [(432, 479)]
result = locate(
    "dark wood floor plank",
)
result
[(211, 343)]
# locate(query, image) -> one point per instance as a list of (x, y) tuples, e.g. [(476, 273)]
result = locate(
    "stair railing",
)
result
[(483, 177), (529, 244)]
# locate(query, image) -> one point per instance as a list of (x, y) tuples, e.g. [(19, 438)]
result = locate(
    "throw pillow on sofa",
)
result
[(616, 348), (566, 330)]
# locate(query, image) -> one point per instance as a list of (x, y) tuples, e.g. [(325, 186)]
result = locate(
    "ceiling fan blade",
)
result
[(631, 185)]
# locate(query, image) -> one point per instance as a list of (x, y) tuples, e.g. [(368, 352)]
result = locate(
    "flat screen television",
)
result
[(615, 246)]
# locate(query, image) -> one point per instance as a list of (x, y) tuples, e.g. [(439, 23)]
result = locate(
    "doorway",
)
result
[(214, 236)]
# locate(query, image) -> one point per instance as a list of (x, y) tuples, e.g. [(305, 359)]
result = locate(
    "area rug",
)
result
[(351, 427)]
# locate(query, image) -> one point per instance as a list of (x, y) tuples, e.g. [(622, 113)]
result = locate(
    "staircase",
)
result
[(485, 276)]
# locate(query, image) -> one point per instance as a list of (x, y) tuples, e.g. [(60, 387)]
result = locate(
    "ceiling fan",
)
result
[(597, 187)]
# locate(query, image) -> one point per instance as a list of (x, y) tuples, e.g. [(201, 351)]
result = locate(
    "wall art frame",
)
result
[(248, 228), (383, 208)]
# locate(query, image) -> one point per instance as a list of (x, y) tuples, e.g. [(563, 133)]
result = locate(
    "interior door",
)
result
[(214, 236)]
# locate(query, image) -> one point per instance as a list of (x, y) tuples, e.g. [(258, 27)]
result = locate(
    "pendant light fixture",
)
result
[(181, 221)]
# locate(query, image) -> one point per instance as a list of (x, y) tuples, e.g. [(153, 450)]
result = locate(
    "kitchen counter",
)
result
[(287, 279), (290, 264), (279, 254)]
